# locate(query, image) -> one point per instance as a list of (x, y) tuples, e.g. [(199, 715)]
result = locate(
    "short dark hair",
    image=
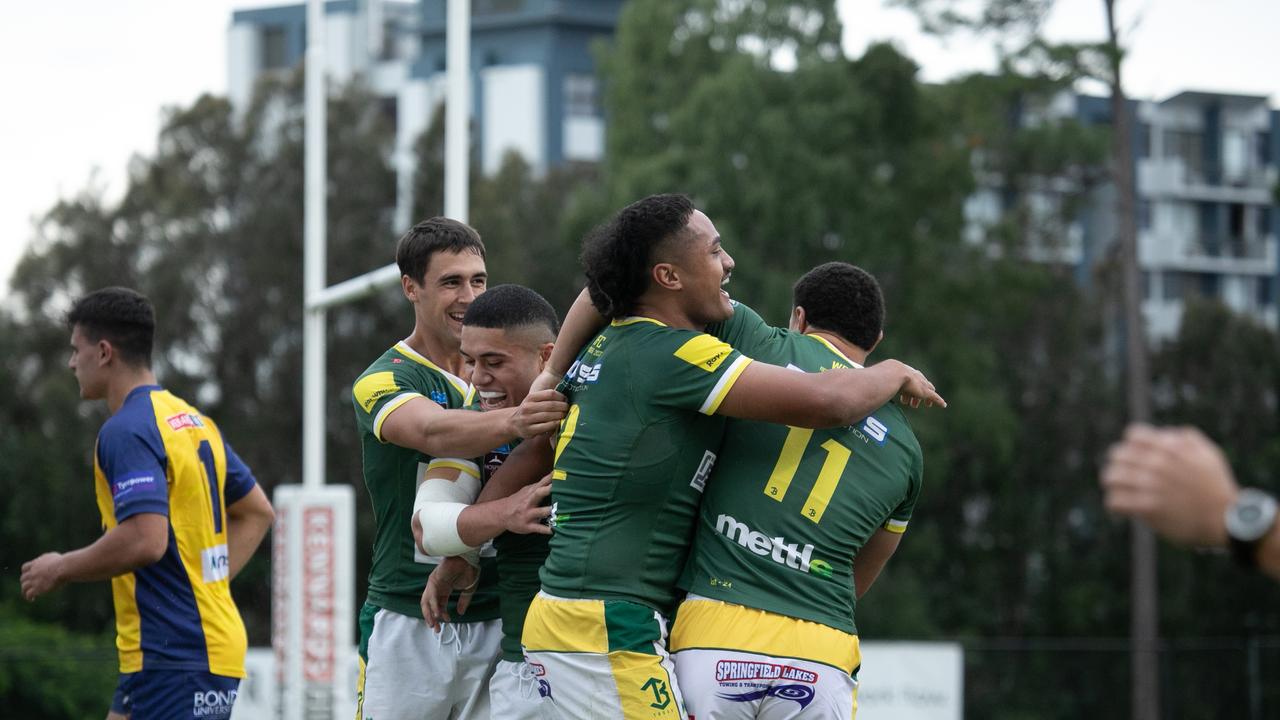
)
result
[(438, 234), (843, 299), (122, 317), (618, 255), (511, 306)]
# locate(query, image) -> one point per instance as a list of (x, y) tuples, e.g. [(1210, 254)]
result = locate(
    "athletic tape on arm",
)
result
[(439, 502)]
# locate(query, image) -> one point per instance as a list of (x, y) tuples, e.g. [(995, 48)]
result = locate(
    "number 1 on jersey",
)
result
[(784, 471)]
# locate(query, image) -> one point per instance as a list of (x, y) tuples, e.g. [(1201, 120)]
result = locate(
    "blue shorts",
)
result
[(175, 695)]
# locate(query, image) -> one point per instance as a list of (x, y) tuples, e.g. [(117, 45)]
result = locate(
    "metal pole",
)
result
[(457, 142), (313, 327), (1144, 611)]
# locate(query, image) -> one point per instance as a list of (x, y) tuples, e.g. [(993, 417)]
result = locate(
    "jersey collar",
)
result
[(833, 349), (636, 319), (462, 386)]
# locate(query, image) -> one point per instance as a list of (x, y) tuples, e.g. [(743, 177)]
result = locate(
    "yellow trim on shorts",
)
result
[(469, 468), (711, 624), (565, 625)]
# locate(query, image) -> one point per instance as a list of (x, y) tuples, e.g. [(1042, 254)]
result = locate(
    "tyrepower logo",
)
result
[(213, 703), (792, 555), (737, 670)]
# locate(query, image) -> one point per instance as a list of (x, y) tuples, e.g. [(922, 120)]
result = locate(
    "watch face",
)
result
[(1252, 516)]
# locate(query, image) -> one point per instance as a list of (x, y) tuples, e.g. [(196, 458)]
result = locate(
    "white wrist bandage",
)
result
[(438, 504)]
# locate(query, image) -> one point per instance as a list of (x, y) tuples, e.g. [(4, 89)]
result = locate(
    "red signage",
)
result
[(319, 594)]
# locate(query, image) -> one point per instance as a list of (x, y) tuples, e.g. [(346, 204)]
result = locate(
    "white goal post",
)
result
[(307, 684)]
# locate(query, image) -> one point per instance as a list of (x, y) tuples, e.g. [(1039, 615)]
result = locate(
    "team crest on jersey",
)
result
[(439, 397), (184, 421)]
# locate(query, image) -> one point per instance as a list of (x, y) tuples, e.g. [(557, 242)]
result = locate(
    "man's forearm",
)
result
[(581, 323), (482, 522), (1269, 552), (122, 549), (862, 392), (465, 434), (244, 535)]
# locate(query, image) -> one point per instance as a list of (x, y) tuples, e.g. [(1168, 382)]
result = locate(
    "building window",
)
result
[(493, 7), (1144, 214), (274, 48), (1266, 291), (1172, 289), (1264, 222), (1188, 147), (1144, 140), (1209, 283), (580, 95), (1264, 149)]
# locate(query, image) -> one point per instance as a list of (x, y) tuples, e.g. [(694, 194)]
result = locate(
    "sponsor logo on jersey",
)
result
[(439, 397), (792, 555), (184, 421), (213, 703), (802, 694), (581, 373), (876, 430), (736, 670), (704, 351), (699, 481), (215, 563), (129, 484), (373, 387)]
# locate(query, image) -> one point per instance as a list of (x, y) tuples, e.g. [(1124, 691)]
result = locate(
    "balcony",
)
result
[(1173, 177)]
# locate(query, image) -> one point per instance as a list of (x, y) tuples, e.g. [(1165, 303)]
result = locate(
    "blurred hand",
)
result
[(540, 413), (41, 575), (1175, 479), (524, 513), (454, 573)]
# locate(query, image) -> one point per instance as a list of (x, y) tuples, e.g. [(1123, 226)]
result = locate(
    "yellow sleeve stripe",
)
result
[(705, 352), (718, 393), (895, 526), (387, 409), (465, 466)]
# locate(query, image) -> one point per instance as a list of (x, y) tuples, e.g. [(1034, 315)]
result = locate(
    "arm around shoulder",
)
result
[(815, 400)]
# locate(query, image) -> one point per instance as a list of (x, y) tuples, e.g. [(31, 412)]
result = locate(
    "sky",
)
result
[(86, 81)]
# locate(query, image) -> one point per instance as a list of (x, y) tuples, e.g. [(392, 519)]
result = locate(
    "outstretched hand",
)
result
[(1175, 479), (453, 573)]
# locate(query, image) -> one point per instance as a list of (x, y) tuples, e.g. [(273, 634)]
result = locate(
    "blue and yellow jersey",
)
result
[(158, 454)]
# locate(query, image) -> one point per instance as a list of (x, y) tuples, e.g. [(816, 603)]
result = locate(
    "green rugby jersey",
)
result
[(392, 474), (632, 458), (787, 508)]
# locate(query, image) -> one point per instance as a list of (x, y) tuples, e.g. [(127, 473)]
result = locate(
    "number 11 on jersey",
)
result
[(784, 471)]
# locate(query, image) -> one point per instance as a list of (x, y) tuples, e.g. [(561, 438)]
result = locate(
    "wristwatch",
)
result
[(1249, 520)]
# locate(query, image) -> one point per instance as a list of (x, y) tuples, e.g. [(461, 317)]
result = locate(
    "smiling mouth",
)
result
[(724, 282), (457, 317), (492, 400)]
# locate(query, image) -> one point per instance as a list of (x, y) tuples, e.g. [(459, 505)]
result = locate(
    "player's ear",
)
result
[(798, 322), (666, 276), (876, 344), (409, 287), (105, 352), (544, 354)]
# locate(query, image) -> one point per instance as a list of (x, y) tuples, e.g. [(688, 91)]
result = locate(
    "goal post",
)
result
[(313, 578)]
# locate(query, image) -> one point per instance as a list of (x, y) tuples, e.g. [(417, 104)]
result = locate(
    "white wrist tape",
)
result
[(438, 504)]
